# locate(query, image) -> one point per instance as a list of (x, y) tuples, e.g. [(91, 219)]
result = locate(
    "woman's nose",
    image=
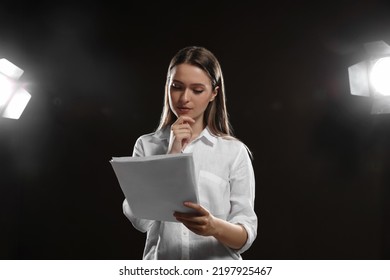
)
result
[(184, 97)]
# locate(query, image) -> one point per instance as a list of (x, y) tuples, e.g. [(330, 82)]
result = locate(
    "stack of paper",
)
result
[(156, 186)]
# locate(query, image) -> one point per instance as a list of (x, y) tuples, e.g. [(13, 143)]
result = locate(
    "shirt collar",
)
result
[(206, 136)]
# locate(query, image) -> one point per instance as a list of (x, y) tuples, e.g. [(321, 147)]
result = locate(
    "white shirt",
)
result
[(226, 187)]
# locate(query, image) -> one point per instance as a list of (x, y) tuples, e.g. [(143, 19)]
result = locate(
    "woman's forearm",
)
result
[(231, 235)]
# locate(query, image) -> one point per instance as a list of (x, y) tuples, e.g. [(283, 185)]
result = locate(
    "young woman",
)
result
[(194, 120)]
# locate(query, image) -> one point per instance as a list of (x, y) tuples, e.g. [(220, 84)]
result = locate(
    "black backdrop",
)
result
[(96, 73)]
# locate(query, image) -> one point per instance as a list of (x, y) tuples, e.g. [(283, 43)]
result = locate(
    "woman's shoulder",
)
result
[(154, 143), (233, 145), (162, 134), (230, 141), (147, 136)]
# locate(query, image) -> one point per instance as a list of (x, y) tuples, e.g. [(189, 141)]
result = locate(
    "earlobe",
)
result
[(215, 94)]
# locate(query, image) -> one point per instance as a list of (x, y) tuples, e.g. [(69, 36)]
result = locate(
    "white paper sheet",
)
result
[(156, 186)]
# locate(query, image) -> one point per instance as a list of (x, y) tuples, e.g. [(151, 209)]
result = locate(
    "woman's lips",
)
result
[(183, 110)]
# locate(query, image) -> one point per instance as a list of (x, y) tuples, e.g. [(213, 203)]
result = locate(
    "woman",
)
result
[(194, 120)]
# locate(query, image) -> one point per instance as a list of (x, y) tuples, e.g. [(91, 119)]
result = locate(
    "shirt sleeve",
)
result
[(142, 225), (242, 196)]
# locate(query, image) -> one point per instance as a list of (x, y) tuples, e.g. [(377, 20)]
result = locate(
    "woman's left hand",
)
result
[(202, 222)]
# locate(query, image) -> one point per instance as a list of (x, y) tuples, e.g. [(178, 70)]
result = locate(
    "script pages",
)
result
[(156, 186)]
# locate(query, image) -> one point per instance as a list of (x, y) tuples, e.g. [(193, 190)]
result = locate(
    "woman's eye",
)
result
[(175, 86), (198, 91)]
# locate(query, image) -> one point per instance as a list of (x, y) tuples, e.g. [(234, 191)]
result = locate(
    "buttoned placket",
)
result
[(185, 234), (185, 241)]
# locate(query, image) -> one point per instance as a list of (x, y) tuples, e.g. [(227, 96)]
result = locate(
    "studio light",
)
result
[(371, 77), (13, 98)]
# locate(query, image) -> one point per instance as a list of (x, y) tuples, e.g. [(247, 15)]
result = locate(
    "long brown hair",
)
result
[(215, 115)]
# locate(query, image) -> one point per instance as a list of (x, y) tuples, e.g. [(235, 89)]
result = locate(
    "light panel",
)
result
[(17, 104), (371, 77), (13, 98), (10, 70), (6, 89), (380, 76)]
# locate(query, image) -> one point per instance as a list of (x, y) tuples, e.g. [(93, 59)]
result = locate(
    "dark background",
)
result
[(96, 73)]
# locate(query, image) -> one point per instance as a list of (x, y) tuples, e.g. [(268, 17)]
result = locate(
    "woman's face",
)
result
[(190, 91)]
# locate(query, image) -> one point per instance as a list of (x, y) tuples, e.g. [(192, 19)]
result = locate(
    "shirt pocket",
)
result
[(214, 194)]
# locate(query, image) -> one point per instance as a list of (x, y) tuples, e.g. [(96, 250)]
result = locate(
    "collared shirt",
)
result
[(226, 187)]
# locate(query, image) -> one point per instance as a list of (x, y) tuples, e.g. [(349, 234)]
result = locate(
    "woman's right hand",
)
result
[(181, 134)]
